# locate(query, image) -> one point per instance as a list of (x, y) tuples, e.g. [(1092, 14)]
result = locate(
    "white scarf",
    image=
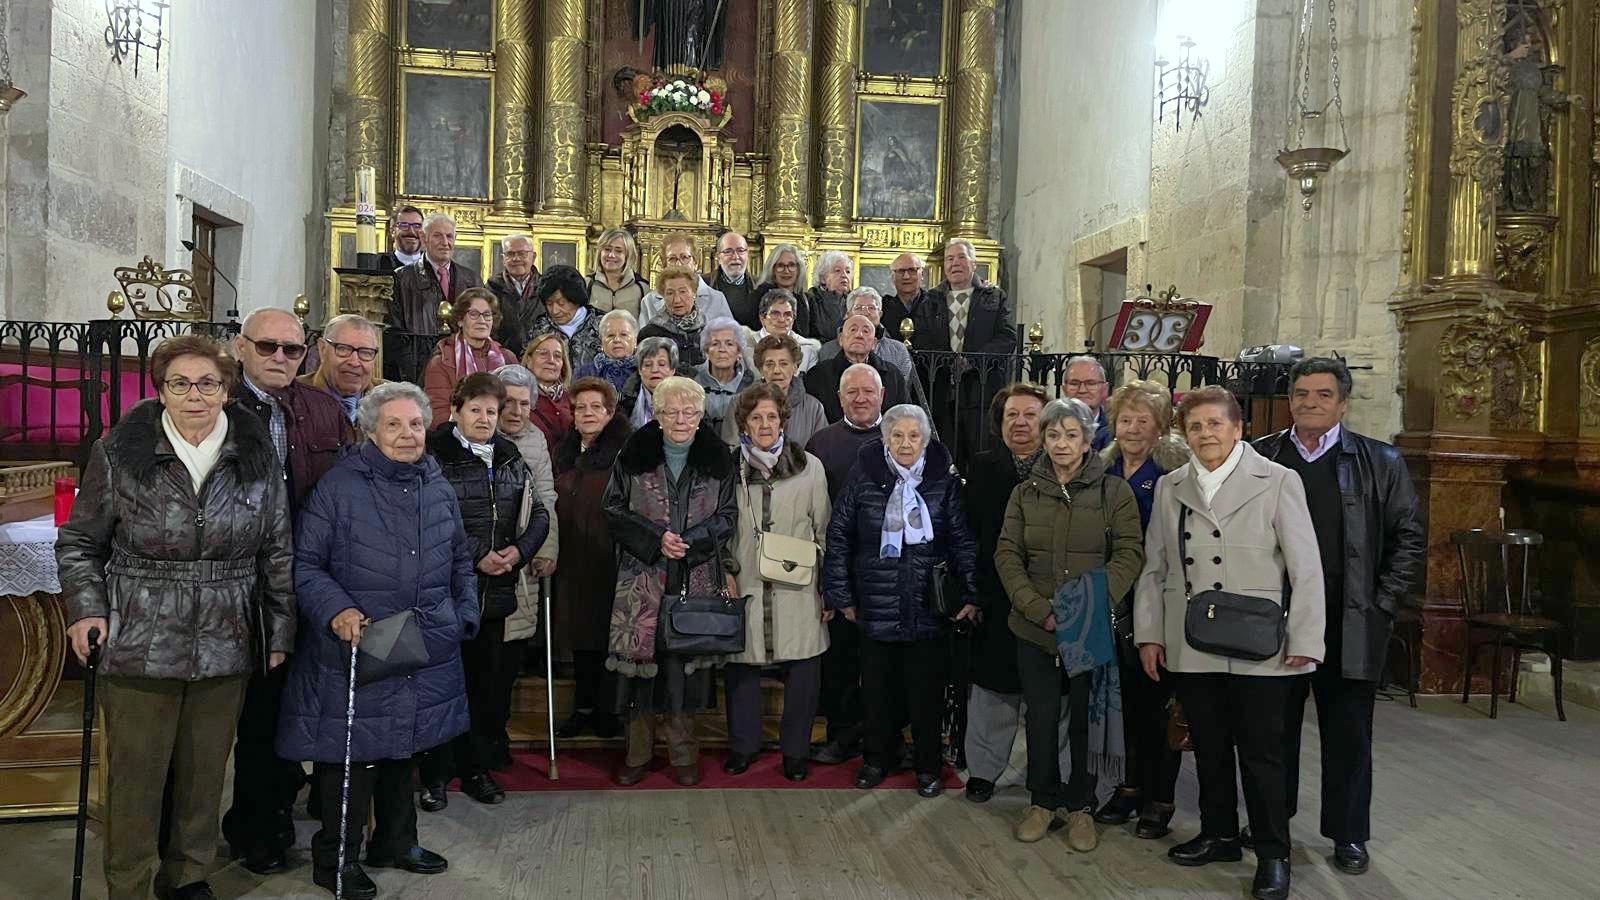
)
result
[(199, 460), (906, 519), (1209, 481), (484, 452), (571, 327)]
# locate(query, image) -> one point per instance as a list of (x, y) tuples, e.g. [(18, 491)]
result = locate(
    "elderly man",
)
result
[(858, 339), (733, 278), (405, 239), (1373, 549), (837, 446), (908, 274), (515, 286), (1086, 381), (418, 291), (346, 363), (866, 301), (309, 430), (678, 251)]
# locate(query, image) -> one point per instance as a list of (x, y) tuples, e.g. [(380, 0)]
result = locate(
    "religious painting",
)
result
[(450, 24), (897, 166), (446, 136), (902, 37), (878, 278), (560, 253)]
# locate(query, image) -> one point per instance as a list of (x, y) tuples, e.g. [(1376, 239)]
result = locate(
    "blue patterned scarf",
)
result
[(1082, 608)]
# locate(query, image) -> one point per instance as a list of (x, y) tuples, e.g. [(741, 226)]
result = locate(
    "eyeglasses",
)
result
[(481, 315), (517, 254), (679, 415), (179, 386), (913, 270), (780, 314), (1083, 385), (786, 265), (408, 226), (734, 251), (269, 348), (555, 355), (680, 260), (343, 351), (864, 310)]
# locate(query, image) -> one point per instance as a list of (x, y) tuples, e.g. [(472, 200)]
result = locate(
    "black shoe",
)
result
[(738, 763), (869, 777), (416, 860), (574, 725), (1154, 820), (605, 725), (929, 785), (795, 768), (1204, 850), (1246, 839), (1123, 805), (196, 890), (979, 790), (1351, 858), (1272, 880), (433, 798), (833, 753), (264, 860), (357, 886), (482, 788)]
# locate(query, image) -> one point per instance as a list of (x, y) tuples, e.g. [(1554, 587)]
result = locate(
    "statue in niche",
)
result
[(1530, 109), (688, 32)]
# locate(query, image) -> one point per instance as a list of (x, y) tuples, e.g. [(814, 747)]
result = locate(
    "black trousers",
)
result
[(841, 681), (485, 660), (1344, 718), (802, 678), (1044, 683), (909, 672), (1238, 720), (385, 788), (264, 786), (1152, 765), (593, 687)]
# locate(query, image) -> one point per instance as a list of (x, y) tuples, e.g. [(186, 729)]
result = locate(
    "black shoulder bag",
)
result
[(1227, 624), (704, 624)]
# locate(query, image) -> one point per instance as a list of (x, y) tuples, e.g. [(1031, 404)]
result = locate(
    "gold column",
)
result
[(1476, 161), (513, 89), (972, 107), (789, 142), (836, 112), (566, 26), (371, 90)]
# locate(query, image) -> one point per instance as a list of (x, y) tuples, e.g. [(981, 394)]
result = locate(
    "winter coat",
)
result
[(617, 372), (414, 310), (643, 502), (524, 621), (380, 537), (627, 297), (517, 310), (806, 418), (185, 581), (315, 428), (490, 512), (1056, 532), (1385, 545), (782, 622), (1255, 537), (552, 415), (990, 323), (584, 344), (441, 375), (719, 400), (891, 595), (689, 352), (991, 476), (586, 576), (1169, 453)]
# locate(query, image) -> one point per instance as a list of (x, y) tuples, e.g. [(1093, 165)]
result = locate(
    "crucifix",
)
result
[(675, 162)]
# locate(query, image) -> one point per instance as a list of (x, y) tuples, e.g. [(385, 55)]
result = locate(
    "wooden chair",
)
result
[(1407, 633), (1501, 605)]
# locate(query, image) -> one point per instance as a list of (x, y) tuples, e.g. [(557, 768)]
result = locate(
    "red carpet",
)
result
[(592, 770)]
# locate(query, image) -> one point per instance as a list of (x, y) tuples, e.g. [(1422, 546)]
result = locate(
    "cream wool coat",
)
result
[(799, 508), (1252, 538)]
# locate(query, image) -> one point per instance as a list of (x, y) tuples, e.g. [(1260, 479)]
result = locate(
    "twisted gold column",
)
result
[(566, 26), (514, 62), (836, 112), (971, 106), (789, 141), (370, 85), (1475, 163)]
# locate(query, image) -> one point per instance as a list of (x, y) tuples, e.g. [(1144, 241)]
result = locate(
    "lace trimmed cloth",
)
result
[(28, 557)]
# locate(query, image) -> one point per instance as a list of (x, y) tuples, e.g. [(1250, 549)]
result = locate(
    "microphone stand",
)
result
[(192, 247)]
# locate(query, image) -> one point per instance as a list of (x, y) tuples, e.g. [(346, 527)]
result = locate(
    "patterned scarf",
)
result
[(760, 460), (906, 519), (688, 324), (1024, 464), (615, 371), (1082, 608), (467, 361), (483, 452)]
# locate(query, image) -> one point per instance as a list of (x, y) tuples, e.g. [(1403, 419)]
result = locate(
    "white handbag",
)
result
[(786, 560)]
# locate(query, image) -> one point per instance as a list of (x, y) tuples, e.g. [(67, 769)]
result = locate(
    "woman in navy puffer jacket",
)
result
[(381, 534), (897, 518)]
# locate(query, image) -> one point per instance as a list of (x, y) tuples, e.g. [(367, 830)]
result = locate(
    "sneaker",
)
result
[(1081, 834), (1036, 823)]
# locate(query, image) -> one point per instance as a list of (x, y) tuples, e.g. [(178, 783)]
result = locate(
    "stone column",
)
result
[(789, 141), (836, 113), (371, 90), (971, 108), (561, 162), (513, 88), (1476, 159)]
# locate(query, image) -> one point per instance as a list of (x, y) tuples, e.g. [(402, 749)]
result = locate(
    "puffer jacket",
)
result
[(191, 586), (380, 537), (490, 513), (891, 596)]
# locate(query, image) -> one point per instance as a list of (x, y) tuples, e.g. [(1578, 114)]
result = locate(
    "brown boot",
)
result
[(1081, 834), (628, 776), (1035, 824)]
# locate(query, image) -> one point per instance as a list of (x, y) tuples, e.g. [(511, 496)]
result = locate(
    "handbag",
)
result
[(784, 559), (391, 646), (944, 591), (704, 624), (1178, 738), (1223, 623)]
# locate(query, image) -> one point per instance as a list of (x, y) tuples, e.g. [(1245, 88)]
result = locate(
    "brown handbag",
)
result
[(1178, 728)]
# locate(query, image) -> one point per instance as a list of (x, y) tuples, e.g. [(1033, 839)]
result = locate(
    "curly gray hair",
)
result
[(388, 392), (828, 261)]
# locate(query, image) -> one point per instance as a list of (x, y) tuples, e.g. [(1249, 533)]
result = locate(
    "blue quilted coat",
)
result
[(382, 537)]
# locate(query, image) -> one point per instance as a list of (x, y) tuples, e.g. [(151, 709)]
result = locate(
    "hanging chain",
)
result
[(1333, 53), (1297, 113)]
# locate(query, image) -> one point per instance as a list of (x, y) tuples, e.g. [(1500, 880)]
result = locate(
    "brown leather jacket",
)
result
[(192, 586), (317, 430)]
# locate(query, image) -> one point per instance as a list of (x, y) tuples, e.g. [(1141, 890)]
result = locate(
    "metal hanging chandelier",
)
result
[(1303, 163)]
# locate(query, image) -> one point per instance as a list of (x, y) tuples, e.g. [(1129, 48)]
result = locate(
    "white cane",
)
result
[(549, 676), (344, 793)]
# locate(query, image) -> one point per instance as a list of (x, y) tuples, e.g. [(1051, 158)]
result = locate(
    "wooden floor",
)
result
[(1464, 808)]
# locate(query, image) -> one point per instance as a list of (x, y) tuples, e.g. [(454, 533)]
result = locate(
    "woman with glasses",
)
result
[(777, 361), (177, 553), (616, 283), (565, 299), (469, 350), (778, 316), (786, 270), (546, 358), (619, 337)]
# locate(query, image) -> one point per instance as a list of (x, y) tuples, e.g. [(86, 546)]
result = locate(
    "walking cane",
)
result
[(344, 792), (549, 676), (83, 766)]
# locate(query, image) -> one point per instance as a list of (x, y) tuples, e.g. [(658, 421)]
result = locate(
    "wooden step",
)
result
[(529, 727)]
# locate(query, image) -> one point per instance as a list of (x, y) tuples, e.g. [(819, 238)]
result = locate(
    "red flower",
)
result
[(644, 98), (716, 107), (716, 97)]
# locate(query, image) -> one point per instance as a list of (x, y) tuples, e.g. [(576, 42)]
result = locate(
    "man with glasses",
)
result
[(516, 286), (678, 252), (309, 430), (733, 278), (1086, 381), (347, 358), (866, 301), (418, 291), (907, 273), (858, 342), (405, 239)]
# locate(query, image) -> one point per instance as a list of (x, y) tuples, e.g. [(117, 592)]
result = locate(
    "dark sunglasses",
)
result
[(343, 351), (268, 348)]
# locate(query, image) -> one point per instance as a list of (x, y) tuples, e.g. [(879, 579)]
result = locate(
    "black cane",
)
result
[(83, 765)]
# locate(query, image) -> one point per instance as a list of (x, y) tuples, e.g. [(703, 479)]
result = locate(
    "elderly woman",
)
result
[(897, 526), (671, 508), (783, 491), (724, 373), (1144, 449), (586, 580), (619, 337), (786, 270), (680, 319), (777, 310), (656, 360), (546, 357), (176, 554), (1067, 519), (1232, 522), (475, 313), (565, 298), (777, 360), (825, 302), (491, 481), (615, 283), (382, 536)]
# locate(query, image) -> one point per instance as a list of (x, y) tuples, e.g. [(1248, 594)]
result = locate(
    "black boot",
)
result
[(1154, 820), (1272, 880), (357, 886), (1123, 805), (1204, 850)]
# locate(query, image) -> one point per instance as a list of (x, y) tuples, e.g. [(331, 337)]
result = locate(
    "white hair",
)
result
[(436, 218), (349, 320), (907, 411), (721, 323), (620, 315), (966, 247), (863, 291), (515, 375), (505, 242), (1085, 361), (828, 261), (681, 387), (861, 369), (373, 401), (261, 311)]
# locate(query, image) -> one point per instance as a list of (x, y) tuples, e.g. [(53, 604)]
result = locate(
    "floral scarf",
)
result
[(906, 518)]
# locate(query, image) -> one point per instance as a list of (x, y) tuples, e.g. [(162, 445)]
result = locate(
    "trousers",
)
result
[(1344, 719), (1152, 765), (384, 787), (1237, 720), (993, 719), (264, 786), (911, 672), (485, 661), (1044, 683), (802, 679), (675, 695), (840, 700)]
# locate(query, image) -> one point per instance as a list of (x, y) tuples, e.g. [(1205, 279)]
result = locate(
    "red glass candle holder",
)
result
[(66, 492)]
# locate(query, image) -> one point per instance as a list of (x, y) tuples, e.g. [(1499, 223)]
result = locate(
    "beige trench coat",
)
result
[(799, 508), (1255, 532)]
